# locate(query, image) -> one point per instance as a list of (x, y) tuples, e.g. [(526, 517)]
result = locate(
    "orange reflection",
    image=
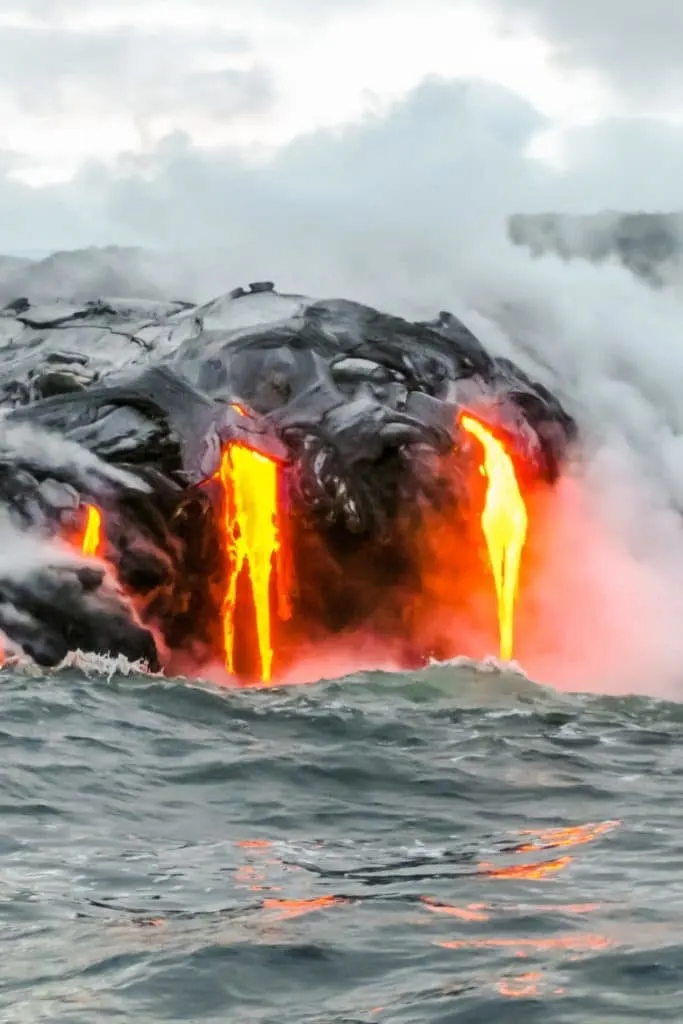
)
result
[(534, 872), (528, 985), (484, 911), (523, 986), (571, 943), (504, 522), (255, 877), (574, 835), (549, 839), (297, 908), (532, 984), (570, 908), (251, 877), (473, 912)]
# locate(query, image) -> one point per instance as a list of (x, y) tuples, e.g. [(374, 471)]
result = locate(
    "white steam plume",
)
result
[(408, 211)]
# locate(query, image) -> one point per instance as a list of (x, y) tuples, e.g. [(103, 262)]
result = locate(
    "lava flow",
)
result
[(504, 522), (253, 541), (92, 535)]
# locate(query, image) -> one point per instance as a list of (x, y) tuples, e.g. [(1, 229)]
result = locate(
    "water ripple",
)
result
[(453, 845)]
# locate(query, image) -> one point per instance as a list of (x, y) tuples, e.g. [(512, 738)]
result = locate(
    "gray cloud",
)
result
[(448, 159), (626, 163), (420, 187), (58, 11), (404, 174), (636, 44), (51, 70)]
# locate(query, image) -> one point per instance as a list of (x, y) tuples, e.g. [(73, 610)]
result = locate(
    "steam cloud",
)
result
[(48, 592), (408, 211)]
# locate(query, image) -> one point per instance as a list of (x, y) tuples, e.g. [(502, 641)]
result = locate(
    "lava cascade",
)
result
[(504, 523), (253, 539)]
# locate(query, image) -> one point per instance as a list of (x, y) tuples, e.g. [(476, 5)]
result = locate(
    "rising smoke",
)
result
[(408, 210)]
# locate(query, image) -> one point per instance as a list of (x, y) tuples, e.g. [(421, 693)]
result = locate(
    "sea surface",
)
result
[(458, 844)]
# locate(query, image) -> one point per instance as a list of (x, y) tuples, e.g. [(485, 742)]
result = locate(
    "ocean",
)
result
[(456, 844), (464, 843)]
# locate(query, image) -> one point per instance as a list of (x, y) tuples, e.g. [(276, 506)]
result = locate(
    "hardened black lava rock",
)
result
[(138, 399)]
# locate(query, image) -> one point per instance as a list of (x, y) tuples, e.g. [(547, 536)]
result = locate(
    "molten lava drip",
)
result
[(92, 535), (253, 539), (504, 522)]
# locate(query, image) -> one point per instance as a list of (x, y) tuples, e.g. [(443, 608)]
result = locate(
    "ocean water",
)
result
[(458, 844)]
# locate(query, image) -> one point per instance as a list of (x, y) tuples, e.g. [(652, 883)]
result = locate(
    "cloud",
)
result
[(630, 162), (400, 174), (154, 60), (636, 45), (84, 80), (211, 18), (437, 167), (129, 68)]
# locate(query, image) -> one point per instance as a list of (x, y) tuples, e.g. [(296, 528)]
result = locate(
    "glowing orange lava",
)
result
[(92, 535), (239, 408), (250, 484), (504, 522)]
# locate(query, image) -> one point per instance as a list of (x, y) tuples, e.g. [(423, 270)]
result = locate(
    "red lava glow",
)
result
[(504, 523), (561, 615), (590, 566), (253, 542)]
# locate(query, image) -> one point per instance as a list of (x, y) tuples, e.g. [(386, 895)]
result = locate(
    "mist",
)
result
[(407, 209)]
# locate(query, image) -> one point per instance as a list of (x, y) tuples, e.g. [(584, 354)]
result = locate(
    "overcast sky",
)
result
[(142, 120)]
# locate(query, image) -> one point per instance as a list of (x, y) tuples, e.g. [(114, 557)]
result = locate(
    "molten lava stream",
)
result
[(504, 523), (253, 542), (91, 542)]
